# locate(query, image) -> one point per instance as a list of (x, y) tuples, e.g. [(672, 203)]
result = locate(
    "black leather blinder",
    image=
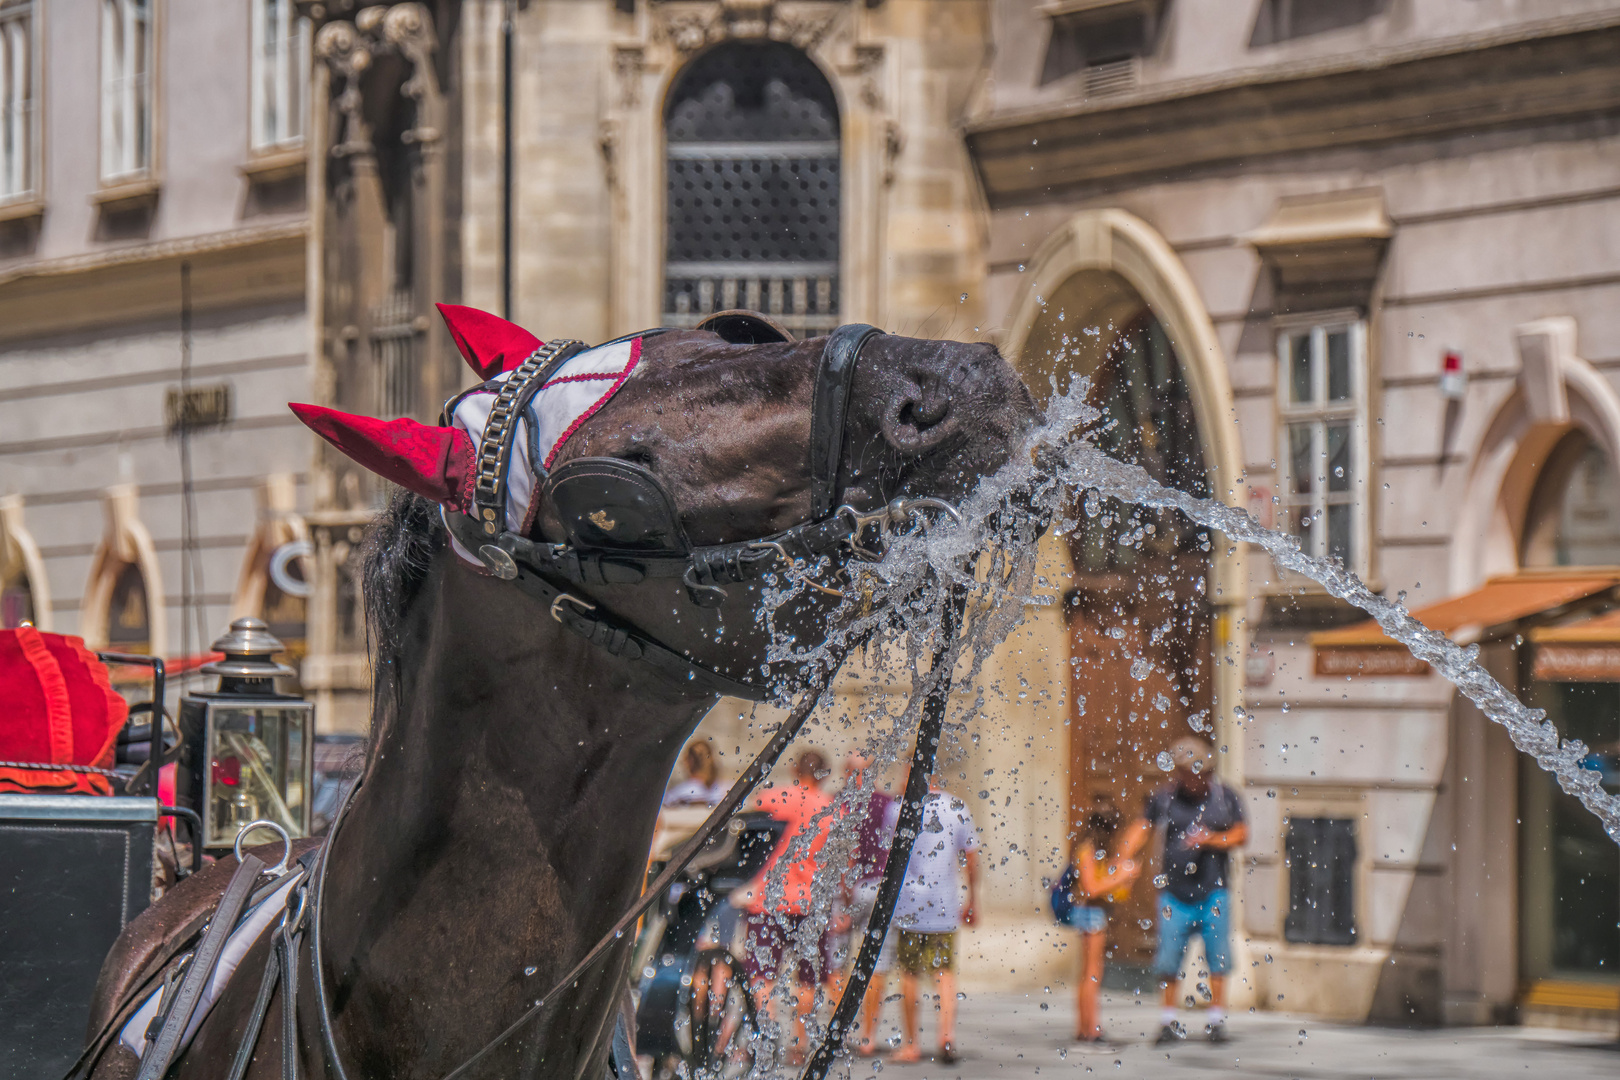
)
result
[(605, 503)]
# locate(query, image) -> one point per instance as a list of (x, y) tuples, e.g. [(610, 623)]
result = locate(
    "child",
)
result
[(1101, 878)]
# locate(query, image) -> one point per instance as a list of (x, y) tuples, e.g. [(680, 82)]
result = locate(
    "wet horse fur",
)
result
[(515, 771)]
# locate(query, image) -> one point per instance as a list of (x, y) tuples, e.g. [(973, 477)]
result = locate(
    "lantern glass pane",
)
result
[(256, 770)]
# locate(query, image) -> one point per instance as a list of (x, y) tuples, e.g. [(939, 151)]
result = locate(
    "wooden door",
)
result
[(1140, 665)]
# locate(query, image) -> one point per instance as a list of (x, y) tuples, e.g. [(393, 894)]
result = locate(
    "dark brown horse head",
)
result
[(726, 427)]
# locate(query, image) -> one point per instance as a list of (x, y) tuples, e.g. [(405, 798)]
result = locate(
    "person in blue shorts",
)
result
[(1202, 820)]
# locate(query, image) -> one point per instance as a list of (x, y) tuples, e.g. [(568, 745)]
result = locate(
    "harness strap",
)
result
[(589, 621), (160, 1051), (829, 405), (255, 1023)]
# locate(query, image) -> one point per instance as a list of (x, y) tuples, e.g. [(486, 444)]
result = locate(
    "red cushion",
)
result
[(56, 708)]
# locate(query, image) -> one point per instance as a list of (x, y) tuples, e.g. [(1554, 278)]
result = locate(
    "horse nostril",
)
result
[(928, 412)]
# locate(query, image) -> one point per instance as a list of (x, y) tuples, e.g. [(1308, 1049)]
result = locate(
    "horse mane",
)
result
[(395, 557)]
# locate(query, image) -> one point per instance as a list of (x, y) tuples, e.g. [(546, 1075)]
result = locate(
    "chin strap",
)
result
[(584, 617)]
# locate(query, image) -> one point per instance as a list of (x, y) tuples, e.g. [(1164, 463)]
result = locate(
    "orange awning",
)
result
[(1500, 600)]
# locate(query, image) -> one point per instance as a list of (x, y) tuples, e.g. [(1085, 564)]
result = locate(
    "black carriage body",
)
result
[(74, 870)]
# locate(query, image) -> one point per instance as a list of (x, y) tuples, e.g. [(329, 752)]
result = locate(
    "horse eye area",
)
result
[(638, 455)]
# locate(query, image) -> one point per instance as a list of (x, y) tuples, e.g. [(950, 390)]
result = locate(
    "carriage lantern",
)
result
[(249, 750)]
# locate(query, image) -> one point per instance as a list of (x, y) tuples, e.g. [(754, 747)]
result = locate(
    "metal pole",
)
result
[(191, 577), (507, 83)]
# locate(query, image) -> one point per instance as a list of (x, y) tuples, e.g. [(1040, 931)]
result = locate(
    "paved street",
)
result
[(1006, 1036)]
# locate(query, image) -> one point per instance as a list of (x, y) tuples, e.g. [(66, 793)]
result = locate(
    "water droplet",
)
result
[(1165, 761), (1140, 669), (530, 970)]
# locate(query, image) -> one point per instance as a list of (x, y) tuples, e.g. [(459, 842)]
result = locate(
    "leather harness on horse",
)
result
[(622, 528)]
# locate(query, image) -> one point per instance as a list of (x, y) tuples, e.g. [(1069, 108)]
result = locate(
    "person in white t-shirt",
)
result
[(930, 910), (702, 786)]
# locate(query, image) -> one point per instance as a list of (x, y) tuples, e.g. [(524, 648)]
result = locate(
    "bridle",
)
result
[(557, 574)]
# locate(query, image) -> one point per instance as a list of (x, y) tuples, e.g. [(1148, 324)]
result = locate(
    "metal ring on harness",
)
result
[(795, 567), (286, 842)]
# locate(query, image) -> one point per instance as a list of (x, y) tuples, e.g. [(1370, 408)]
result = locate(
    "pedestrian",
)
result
[(930, 910), (1098, 878), (873, 834), (1202, 820), (702, 786), (773, 925)]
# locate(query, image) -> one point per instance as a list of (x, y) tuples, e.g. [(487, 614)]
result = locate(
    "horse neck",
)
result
[(503, 823)]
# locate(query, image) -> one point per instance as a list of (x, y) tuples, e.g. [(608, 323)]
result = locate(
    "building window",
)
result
[(18, 91), (1107, 39), (1322, 395), (753, 189), (126, 88), (1574, 513), (280, 72), (1285, 20), (1321, 881)]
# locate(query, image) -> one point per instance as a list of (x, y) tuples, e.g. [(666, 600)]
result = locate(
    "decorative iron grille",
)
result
[(393, 354), (753, 189)]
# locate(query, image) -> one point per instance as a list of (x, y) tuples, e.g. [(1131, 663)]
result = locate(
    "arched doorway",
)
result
[(1139, 623), (752, 188)]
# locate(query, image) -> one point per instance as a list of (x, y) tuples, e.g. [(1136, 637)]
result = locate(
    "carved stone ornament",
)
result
[(629, 64), (689, 25), (348, 49)]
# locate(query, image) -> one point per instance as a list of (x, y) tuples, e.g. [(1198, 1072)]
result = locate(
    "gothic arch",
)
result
[(1557, 392), (126, 547), (1120, 242), (20, 561)]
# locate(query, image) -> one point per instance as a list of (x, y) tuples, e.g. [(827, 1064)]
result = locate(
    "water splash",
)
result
[(897, 606)]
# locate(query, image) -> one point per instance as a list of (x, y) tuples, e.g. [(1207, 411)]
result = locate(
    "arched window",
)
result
[(122, 607), (129, 615), (24, 591), (753, 188), (1574, 515)]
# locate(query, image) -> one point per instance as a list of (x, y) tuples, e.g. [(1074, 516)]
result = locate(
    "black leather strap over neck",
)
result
[(829, 405)]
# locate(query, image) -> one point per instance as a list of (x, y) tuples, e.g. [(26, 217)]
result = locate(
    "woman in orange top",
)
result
[(773, 924)]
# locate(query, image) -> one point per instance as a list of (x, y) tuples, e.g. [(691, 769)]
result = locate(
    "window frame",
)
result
[(1311, 925), (145, 131), (1320, 412), (293, 61), (31, 11)]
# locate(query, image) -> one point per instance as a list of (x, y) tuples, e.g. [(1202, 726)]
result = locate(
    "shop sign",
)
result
[(1368, 660), (1577, 663)]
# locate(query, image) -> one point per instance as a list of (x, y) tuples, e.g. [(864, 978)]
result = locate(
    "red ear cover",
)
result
[(489, 344), (434, 462)]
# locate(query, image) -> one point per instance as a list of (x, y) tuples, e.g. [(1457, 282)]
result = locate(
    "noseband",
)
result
[(622, 527)]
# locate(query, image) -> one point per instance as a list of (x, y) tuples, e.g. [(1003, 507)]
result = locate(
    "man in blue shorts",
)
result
[(1202, 820)]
